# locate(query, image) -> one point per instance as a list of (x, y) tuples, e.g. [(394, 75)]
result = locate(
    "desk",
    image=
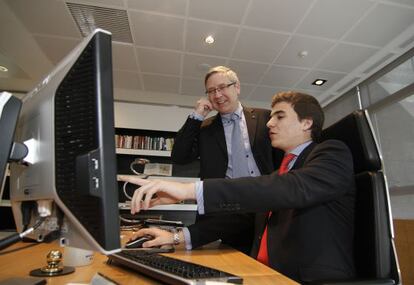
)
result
[(18, 263)]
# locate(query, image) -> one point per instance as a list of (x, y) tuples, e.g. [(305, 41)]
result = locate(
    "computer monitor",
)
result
[(69, 174), (9, 113)]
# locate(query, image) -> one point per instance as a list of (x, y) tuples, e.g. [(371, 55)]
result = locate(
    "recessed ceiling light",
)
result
[(319, 82), (209, 39), (3, 68)]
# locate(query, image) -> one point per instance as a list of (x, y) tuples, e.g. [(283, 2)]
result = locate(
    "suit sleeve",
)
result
[(229, 227), (326, 174), (186, 149)]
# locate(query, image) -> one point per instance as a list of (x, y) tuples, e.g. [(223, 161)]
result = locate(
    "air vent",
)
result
[(88, 18)]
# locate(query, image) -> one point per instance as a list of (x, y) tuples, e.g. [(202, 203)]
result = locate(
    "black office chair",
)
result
[(374, 251)]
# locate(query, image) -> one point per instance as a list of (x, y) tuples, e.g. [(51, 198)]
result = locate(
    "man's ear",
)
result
[(307, 124)]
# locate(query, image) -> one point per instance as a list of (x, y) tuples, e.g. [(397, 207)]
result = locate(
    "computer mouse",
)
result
[(137, 243)]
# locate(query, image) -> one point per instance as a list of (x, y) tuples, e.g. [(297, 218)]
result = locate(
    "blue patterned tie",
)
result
[(238, 152)]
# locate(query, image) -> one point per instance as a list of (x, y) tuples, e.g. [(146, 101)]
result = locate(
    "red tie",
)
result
[(262, 256)]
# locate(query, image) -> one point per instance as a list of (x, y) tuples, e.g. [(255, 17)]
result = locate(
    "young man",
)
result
[(307, 224), (212, 140)]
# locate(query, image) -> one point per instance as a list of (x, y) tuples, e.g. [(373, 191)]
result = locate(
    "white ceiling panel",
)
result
[(381, 25), (193, 87), (174, 7), (260, 46), (159, 61), (265, 93), (198, 65), (279, 15), (248, 72), (56, 49), (49, 11), (198, 30), (245, 90), (157, 30), (123, 57), (126, 80), (314, 48), (160, 83), (218, 10), (340, 14), (346, 57), (260, 39), (283, 76)]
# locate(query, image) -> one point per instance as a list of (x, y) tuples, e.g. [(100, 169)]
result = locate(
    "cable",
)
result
[(8, 241)]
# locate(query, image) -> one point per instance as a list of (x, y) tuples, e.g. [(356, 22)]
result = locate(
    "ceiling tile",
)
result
[(174, 7), (126, 80), (315, 48), (193, 87), (245, 91), (197, 65), (331, 78), (159, 61), (346, 57), (279, 15), (340, 14), (218, 10), (56, 48), (404, 2), (49, 11), (260, 46), (265, 94), (123, 57), (248, 72), (381, 25), (160, 83), (157, 31), (224, 38), (283, 76)]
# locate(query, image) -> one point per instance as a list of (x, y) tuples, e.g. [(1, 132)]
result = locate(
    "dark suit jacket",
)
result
[(310, 233), (206, 140)]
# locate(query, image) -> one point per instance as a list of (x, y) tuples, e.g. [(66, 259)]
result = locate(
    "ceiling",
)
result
[(273, 45)]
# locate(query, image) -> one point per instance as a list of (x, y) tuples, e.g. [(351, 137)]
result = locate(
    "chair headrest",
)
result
[(355, 131)]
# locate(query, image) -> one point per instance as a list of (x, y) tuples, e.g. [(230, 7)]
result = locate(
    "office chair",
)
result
[(374, 251)]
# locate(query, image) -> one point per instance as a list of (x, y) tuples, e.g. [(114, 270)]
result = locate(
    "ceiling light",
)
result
[(209, 39), (319, 82), (3, 68), (303, 53)]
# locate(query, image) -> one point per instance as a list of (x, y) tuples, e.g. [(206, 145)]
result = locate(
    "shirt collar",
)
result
[(298, 150), (227, 117)]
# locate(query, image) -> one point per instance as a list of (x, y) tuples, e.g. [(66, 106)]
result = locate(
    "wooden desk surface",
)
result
[(18, 263)]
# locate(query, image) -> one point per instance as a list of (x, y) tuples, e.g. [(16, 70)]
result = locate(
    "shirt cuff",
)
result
[(196, 116), (187, 239), (199, 197)]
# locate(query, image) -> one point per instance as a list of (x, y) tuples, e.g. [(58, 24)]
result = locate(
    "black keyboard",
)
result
[(171, 270)]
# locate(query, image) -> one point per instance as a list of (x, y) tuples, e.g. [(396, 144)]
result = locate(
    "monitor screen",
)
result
[(69, 174)]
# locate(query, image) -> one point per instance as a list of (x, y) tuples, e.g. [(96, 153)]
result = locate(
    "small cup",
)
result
[(74, 256)]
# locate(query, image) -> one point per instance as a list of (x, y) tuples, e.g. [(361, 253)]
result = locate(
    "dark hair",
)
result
[(306, 106)]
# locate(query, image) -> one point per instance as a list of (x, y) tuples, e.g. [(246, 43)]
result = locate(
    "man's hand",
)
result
[(203, 107), (167, 192), (161, 237)]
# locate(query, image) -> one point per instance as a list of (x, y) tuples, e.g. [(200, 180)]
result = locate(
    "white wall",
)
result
[(150, 117)]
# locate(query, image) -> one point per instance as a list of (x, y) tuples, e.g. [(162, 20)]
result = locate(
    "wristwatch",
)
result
[(176, 238)]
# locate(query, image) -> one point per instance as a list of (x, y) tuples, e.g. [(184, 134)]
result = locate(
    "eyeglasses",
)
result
[(213, 91)]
